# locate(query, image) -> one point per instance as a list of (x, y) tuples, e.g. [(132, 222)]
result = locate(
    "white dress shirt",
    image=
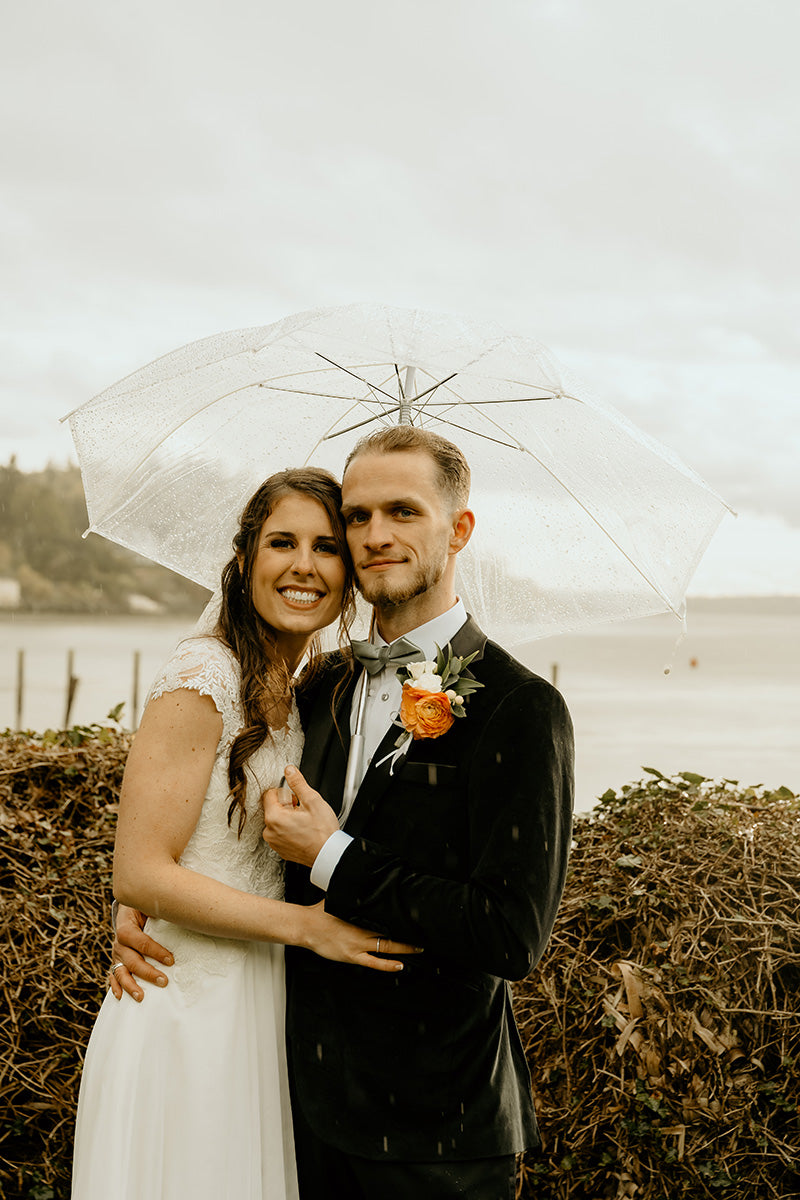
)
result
[(380, 709)]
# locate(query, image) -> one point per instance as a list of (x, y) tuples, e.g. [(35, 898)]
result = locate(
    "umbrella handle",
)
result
[(404, 416)]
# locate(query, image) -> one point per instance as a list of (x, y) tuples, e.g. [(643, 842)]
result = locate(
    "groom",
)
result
[(415, 1084)]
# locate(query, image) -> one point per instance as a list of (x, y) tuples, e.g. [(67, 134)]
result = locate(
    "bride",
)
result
[(187, 1093)]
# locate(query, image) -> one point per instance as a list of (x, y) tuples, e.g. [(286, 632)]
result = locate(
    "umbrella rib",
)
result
[(609, 535), (401, 389), (432, 389), (475, 433), (372, 387), (483, 403), (449, 404), (460, 399), (525, 450), (376, 388), (271, 387), (173, 430), (592, 517), (328, 436), (140, 463), (476, 407), (182, 374), (387, 412)]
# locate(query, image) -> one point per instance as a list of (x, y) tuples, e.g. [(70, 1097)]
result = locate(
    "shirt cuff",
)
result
[(327, 860)]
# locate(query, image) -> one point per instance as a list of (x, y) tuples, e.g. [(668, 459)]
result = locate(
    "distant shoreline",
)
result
[(765, 605), (10, 616)]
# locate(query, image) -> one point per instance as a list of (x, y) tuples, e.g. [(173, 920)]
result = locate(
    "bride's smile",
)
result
[(297, 577)]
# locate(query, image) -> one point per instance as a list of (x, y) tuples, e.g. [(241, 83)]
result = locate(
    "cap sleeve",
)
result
[(207, 666)]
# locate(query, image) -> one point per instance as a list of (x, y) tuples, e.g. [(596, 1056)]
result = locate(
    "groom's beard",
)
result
[(382, 593)]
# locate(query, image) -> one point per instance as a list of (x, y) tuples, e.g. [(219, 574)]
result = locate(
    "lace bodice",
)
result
[(205, 665)]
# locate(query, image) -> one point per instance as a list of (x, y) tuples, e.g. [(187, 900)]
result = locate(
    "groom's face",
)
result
[(398, 525)]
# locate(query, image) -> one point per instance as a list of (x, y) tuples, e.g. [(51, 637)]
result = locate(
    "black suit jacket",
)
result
[(463, 851)]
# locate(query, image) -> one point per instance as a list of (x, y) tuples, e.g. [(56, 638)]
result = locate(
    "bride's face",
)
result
[(298, 576)]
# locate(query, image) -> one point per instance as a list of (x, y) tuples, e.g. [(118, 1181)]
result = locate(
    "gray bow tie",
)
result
[(375, 658)]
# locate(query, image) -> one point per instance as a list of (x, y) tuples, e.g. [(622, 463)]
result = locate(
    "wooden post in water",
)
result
[(20, 685), (137, 659), (72, 687)]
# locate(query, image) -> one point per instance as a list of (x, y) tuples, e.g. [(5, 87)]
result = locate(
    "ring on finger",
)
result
[(116, 967)]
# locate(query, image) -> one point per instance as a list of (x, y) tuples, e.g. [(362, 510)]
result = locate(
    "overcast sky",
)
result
[(616, 179)]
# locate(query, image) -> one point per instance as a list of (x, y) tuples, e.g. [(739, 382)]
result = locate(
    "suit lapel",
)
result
[(469, 639), (326, 746), (374, 783)]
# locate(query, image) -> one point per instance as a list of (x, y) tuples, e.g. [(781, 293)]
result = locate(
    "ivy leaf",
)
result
[(653, 771), (628, 860)]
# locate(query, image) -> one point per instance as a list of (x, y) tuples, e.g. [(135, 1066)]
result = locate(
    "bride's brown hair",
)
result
[(265, 679)]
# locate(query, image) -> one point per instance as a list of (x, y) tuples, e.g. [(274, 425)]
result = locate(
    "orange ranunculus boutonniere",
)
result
[(425, 714), (433, 696)]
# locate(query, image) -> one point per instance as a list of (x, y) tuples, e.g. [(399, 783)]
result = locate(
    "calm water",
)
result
[(734, 714)]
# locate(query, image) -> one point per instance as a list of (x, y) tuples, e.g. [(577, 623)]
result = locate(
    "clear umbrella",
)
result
[(582, 518)]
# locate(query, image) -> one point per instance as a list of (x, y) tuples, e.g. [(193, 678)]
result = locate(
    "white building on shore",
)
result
[(10, 593)]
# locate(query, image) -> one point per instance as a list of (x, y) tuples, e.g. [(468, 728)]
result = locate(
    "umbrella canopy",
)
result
[(581, 517)]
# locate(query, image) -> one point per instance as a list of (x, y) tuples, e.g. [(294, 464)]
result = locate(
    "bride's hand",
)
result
[(331, 938)]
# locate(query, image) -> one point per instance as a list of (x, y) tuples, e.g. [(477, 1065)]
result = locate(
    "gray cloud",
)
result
[(616, 179)]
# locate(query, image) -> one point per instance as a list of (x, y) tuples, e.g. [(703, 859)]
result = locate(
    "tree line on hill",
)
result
[(42, 517)]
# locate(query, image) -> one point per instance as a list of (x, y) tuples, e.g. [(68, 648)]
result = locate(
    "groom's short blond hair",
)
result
[(451, 466)]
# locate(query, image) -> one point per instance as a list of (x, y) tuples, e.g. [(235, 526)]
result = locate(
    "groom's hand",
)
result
[(131, 943), (297, 831)]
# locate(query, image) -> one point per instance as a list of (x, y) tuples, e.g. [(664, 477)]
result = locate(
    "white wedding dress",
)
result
[(185, 1095)]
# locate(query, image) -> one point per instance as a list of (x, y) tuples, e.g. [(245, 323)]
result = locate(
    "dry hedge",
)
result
[(57, 815), (662, 1027)]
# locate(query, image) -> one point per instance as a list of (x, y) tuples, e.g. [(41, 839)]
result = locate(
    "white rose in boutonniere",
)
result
[(424, 677)]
